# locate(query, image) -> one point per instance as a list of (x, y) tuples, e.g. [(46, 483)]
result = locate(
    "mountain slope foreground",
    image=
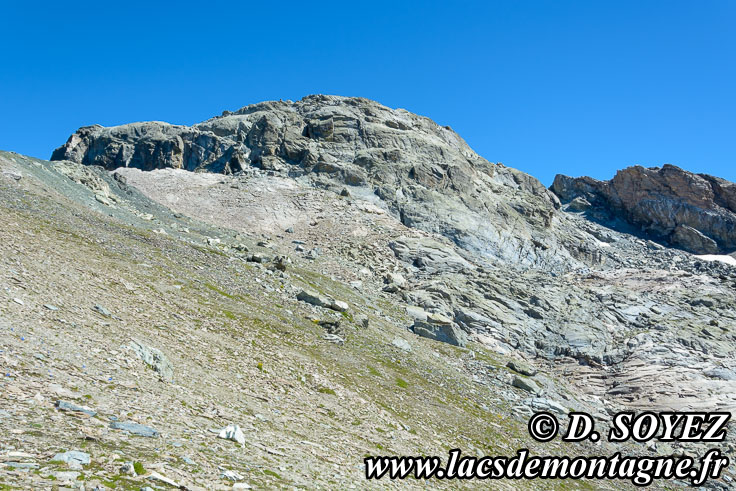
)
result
[(337, 279)]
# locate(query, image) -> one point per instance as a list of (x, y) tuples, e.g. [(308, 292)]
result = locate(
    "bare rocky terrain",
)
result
[(694, 212), (338, 279)]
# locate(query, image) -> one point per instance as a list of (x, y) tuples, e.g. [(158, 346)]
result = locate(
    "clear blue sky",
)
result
[(548, 87)]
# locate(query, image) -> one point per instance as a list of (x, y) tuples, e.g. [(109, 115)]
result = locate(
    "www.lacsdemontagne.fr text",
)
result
[(641, 471)]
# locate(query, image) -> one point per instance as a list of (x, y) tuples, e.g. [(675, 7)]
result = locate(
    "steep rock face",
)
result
[(695, 212), (422, 172)]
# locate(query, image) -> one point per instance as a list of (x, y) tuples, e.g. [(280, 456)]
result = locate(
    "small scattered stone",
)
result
[(73, 458), (128, 469), (135, 429), (332, 327), (68, 406), (313, 253), (231, 476), (102, 311), (440, 328), (232, 432), (542, 404), (103, 199), (522, 368), (394, 279), (312, 298), (534, 314), (720, 373), (64, 477), (339, 305), (258, 258), (13, 175), (334, 339), (154, 358), (402, 344), (155, 476), (525, 384)]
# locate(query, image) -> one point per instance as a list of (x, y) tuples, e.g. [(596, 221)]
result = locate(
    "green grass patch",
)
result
[(271, 473), (225, 294)]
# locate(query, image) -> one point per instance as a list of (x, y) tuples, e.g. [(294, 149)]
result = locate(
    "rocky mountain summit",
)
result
[(694, 212), (422, 172), (305, 283)]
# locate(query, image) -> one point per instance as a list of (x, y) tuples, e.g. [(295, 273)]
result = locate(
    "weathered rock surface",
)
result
[(135, 428), (428, 255), (440, 328), (526, 384), (695, 212), (154, 358), (423, 173), (74, 458), (232, 432), (68, 406), (319, 300)]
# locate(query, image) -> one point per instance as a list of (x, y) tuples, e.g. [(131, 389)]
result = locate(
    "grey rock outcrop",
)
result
[(522, 368), (318, 300), (694, 212), (74, 458), (135, 429), (68, 406), (440, 328), (428, 255), (423, 173), (154, 358), (525, 384)]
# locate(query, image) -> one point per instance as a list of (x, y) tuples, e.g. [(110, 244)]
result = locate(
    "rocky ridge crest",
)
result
[(694, 212)]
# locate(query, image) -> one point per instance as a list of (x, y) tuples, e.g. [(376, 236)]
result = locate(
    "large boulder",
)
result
[(440, 328)]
